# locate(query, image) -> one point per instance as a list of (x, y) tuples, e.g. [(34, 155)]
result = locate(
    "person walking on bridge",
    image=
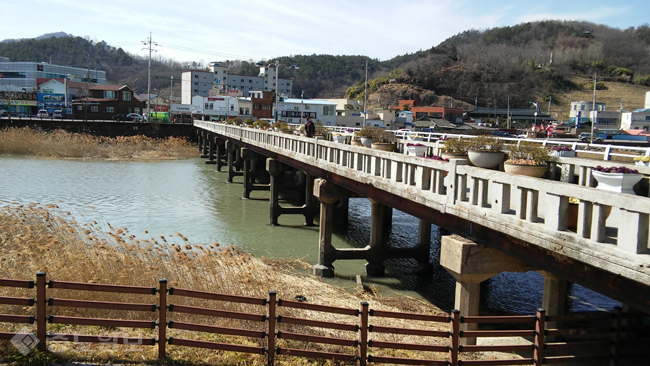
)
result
[(310, 128)]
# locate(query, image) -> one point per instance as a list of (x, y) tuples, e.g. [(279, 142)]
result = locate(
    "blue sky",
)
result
[(193, 30)]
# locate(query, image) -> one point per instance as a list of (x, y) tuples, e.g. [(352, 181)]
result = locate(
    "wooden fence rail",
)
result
[(622, 337)]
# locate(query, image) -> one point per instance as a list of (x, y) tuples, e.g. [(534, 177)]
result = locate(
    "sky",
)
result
[(256, 30)]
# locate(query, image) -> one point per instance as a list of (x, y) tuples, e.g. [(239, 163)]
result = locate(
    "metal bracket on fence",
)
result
[(32, 301), (32, 319), (369, 328), (50, 319), (50, 301), (154, 307), (279, 302), (279, 334), (50, 283), (369, 342), (264, 318), (371, 312), (170, 340), (154, 290), (462, 319), (279, 318), (264, 334), (31, 284), (170, 307), (170, 324), (358, 312), (265, 301), (170, 291), (154, 324), (357, 326)]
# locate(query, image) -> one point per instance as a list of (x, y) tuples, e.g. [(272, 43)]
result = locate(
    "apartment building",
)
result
[(23, 76), (195, 82)]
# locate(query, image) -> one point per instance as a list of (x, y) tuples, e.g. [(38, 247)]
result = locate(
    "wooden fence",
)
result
[(605, 337)]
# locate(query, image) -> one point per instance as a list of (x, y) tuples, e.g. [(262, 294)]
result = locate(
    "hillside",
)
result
[(537, 61)]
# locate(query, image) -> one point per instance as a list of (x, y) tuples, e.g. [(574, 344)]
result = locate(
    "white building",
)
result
[(215, 107), (266, 80), (195, 82), (348, 112), (604, 119), (636, 120), (294, 110), (23, 75)]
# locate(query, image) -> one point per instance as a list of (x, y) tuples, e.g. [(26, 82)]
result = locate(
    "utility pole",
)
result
[(149, 43), (593, 109), (365, 94)]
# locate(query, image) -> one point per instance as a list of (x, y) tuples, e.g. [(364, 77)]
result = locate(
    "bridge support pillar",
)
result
[(471, 264), (221, 153), (276, 169), (380, 219), (328, 193), (249, 157), (211, 148), (232, 152), (204, 146), (342, 210), (554, 299)]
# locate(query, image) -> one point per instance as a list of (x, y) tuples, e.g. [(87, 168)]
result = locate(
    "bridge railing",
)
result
[(516, 204)]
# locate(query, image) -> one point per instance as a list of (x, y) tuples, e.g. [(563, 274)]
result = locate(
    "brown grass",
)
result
[(43, 238), (62, 144)]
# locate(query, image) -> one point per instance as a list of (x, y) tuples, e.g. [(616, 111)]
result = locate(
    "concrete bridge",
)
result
[(503, 222)]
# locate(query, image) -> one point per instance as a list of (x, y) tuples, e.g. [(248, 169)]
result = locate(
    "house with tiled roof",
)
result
[(103, 102)]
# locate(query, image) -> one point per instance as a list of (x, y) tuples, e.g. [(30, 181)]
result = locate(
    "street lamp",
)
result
[(277, 83), (365, 93)]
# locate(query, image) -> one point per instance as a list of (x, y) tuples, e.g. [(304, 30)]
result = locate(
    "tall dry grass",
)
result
[(62, 144), (44, 238)]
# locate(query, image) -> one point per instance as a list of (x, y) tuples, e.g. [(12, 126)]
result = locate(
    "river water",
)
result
[(192, 198)]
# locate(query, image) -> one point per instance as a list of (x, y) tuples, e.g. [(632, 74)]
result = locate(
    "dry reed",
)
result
[(62, 144), (43, 238)]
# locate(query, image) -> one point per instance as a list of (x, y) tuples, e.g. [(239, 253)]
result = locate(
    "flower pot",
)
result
[(366, 141), (617, 182), (276, 129), (339, 139), (384, 146), (536, 171), (452, 156), (414, 138), (564, 154), (356, 143), (416, 150), (643, 163), (486, 159)]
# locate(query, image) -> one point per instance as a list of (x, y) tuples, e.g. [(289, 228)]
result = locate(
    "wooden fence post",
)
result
[(616, 336), (41, 318), (270, 355), (540, 328), (455, 337), (162, 319), (363, 337)]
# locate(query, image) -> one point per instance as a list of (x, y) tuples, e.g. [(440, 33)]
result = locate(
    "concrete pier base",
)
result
[(554, 300), (471, 264), (211, 148)]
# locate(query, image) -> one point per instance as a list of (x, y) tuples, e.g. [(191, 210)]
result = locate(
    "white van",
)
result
[(42, 113)]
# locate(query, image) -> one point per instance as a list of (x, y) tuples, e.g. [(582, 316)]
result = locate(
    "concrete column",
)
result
[(211, 149), (247, 156), (341, 211), (231, 150), (423, 248), (221, 153), (378, 244), (328, 193), (204, 152), (554, 299), (274, 168), (471, 264), (309, 206)]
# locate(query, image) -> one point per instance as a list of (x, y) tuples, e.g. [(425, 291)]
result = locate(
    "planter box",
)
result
[(366, 141), (617, 182), (536, 171), (643, 163), (486, 159), (383, 146), (339, 139), (416, 150)]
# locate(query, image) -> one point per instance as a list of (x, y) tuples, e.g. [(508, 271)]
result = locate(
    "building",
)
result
[(294, 110), (454, 115), (262, 104), (103, 102), (348, 112), (636, 120), (214, 108), (266, 80), (23, 76), (195, 82)]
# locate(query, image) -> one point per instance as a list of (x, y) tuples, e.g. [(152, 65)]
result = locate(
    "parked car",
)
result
[(3, 113), (504, 134), (135, 117), (586, 137), (120, 117), (57, 114), (42, 113)]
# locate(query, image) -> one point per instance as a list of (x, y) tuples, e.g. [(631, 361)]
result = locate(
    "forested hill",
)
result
[(528, 61)]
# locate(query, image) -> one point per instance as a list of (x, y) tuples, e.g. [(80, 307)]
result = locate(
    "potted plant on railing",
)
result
[(338, 138), (414, 137), (642, 160), (485, 151), (528, 158), (260, 123), (382, 139), (416, 149), (455, 148), (563, 152), (616, 179), (365, 135)]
